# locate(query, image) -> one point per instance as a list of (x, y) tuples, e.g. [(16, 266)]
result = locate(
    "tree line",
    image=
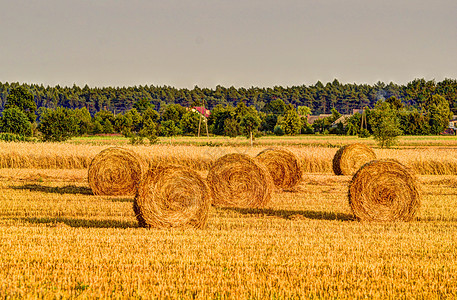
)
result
[(143, 113), (319, 98)]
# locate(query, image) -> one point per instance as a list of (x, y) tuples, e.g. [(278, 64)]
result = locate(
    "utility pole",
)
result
[(206, 118), (364, 117), (199, 125)]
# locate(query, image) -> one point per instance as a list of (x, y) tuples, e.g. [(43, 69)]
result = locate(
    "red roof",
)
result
[(205, 112)]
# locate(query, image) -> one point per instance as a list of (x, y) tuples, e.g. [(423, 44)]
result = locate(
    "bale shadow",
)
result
[(437, 219), (120, 199), (293, 214), (291, 190), (440, 194), (67, 222), (68, 189)]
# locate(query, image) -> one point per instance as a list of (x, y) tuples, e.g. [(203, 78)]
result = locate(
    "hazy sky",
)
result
[(228, 42)]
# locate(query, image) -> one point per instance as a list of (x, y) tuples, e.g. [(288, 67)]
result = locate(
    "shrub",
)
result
[(11, 137), (278, 130)]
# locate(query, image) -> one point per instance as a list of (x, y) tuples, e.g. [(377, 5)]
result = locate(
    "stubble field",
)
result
[(59, 240)]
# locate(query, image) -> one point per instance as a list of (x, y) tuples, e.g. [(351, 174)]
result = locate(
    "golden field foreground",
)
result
[(59, 240)]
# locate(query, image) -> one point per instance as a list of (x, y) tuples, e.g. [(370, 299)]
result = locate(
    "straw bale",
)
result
[(283, 165), (172, 196), (237, 180), (384, 190), (115, 171), (349, 158)]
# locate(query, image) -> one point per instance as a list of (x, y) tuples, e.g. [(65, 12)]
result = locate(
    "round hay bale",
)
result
[(348, 159), (237, 180), (172, 196), (115, 172), (283, 165), (384, 190)]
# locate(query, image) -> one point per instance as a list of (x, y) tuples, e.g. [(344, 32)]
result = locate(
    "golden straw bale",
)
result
[(172, 196), (115, 171), (384, 190), (283, 165), (348, 159), (237, 180)]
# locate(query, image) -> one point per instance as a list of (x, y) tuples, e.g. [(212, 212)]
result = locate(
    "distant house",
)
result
[(449, 131), (357, 111), (452, 128), (343, 119), (312, 119), (453, 122), (203, 111)]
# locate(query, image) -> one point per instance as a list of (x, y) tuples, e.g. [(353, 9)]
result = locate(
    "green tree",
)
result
[(148, 128), (130, 123), (278, 130), (105, 115), (189, 123), (335, 115), (142, 105), (353, 124), (14, 120), (123, 124), (22, 98), (219, 114), (106, 120), (241, 110), (320, 125), (248, 119), (107, 126), (414, 122), (276, 107), (169, 128), (304, 110), (84, 120), (57, 125), (439, 113), (394, 103), (97, 127), (150, 116), (231, 127), (173, 112), (292, 123), (250, 123), (385, 123), (306, 128), (269, 122)]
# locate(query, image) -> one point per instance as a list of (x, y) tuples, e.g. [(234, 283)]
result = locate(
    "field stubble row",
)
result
[(427, 161)]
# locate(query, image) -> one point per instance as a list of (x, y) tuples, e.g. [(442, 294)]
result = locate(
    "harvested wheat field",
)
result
[(59, 240), (435, 159)]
